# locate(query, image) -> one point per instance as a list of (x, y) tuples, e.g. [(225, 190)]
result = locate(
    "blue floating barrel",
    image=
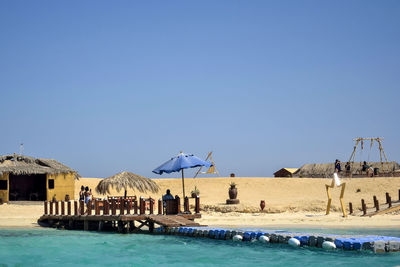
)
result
[(246, 236)]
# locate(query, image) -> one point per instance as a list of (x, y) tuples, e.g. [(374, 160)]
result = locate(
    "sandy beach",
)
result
[(290, 202)]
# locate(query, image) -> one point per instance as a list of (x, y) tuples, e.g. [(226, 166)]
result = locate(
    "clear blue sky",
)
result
[(106, 86)]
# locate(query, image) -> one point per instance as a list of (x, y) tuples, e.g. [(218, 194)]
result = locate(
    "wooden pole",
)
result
[(135, 206), (56, 203), (390, 201), (45, 207), (343, 185), (97, 207), (76, 207), (183, 184), (89, 208), (82, 207), (160, 206), (128, 206), (69, 207), (328, 206), (151, 205), (186, 205), (197, 207), (178, 202), (377, 205), (364, 207), (399, 194), (113, 207), (122, 206), (62, 207), (387, 197), (351, 207), (142, 206), (51, 207), (106, 207), (375, 201)]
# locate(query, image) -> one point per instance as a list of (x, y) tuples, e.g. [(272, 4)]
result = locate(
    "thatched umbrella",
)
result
[(125, 180)]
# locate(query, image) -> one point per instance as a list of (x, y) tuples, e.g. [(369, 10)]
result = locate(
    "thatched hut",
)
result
[(285, 172), (326, 170), (28, 178)]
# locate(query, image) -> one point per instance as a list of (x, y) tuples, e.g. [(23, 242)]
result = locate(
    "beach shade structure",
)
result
[(180, 162), (125, 180)]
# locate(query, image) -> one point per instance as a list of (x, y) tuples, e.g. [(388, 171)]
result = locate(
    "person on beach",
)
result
[(368, 169), (347, 168), (87, 195), (338, 168), (82, 194), (167, 196)]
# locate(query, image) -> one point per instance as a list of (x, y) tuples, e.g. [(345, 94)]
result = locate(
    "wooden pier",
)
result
[(121, 215)]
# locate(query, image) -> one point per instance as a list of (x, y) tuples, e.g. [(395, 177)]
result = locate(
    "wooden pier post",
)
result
[(97, 208), (56, 203), (135, 206), (81, 207), (151, 206), (390, 201), (387, 197), (197, 205), (160, 206), (51, 207), (128, 206), (62, 207), (142, 206), (113, 207), (69, 207), (178, 202), (106, 207), (375, 201), (89, 207), (363, 207), (45, 208), (76, 207), (121, 206), (186, 205), (377, 205)]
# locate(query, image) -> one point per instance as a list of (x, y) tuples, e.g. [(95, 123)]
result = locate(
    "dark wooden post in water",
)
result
[(178, 202), (56, 203), (113, 207), (106, 207), (151, 206), (81, 207), (197, 205), (75, 207), (51, 207), (62, 207), (160, 206), (387, 197), (186, 205), (135, 208), (375, 201), (377, 205), (351, 207), (89, 208), (45, 208), (390, 201), (69, 207), (363, 207)]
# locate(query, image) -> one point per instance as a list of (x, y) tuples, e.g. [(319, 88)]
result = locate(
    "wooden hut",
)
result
[(28, 178), (285, 172)]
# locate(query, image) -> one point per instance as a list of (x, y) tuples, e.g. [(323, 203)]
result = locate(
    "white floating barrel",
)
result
[(294, 242), (328, 245), (237, 238), (263, 239)]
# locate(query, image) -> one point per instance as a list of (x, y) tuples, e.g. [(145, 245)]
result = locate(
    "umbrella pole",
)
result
[(183, 185)]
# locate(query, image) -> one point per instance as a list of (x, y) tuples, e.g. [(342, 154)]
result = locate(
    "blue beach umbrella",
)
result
[(180, 162)]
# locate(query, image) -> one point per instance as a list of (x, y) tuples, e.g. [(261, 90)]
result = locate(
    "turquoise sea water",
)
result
[(49, 247)]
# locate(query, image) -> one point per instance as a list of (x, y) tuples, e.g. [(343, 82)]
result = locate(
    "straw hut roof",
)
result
[(326, 170), (125, 180), (25, 165)]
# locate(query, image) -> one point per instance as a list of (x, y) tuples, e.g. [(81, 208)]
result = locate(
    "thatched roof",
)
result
[(24, 165), (125, 180), (326, 170)]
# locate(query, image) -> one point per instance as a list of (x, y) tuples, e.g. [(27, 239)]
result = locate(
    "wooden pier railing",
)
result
[(120, 206)]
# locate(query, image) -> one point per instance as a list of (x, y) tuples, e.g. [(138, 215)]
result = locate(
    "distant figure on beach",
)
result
[(87, 195), (82, 194), (347, 168), (167, 196), (338, 168), (368, 169)]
